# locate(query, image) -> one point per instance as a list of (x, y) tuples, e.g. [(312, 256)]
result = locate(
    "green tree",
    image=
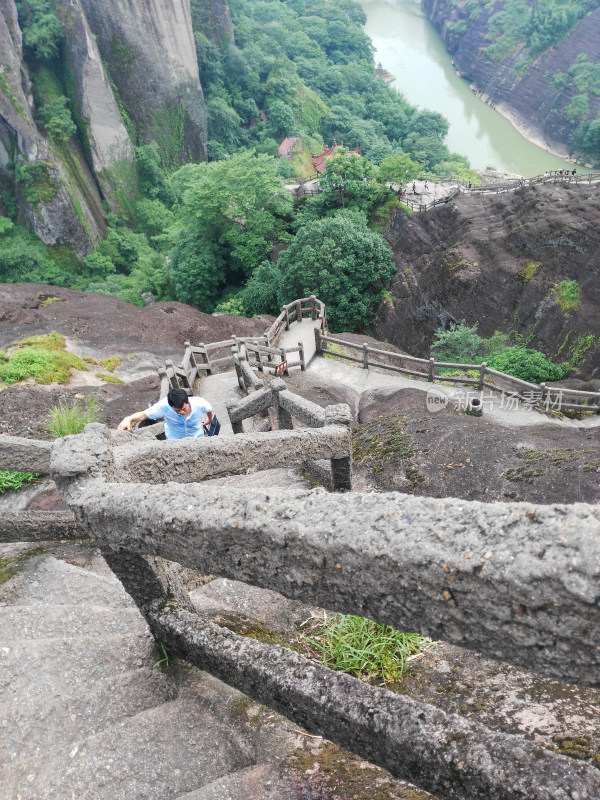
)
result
[(281, 120), (228, 218), (399, 168), (349, 181), (459, 345), (342, 262), (261, 295)]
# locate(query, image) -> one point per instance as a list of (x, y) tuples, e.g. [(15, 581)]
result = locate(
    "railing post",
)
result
[(284, 418), (365, 352), (235, 426), (301, 355), (313, 307), (318, 345), (164, 381), (238, 371), (287, 318), (298, 311), (482, 369), (543, 398), (341, 468), (283, 357), (431, 369)]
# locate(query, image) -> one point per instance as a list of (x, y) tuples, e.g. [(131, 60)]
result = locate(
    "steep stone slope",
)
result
[(497, 260), (55, 190), (528, 99), (151, 52)]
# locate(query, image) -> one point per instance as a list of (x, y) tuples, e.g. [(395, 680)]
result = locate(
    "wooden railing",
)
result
[(538, 395)]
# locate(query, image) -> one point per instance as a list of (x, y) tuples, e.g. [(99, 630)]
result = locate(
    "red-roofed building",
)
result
[(287, 146), (319, 160)]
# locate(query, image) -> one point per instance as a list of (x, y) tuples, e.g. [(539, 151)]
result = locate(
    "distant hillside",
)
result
[(537, 63)]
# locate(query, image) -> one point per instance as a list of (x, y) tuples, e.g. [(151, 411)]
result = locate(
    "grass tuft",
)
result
[(65, 419), (14, 480), (369, 650)]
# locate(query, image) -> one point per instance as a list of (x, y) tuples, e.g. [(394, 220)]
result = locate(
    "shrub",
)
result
[(461, 344), (65, 419), (528, 365), (109, 378)]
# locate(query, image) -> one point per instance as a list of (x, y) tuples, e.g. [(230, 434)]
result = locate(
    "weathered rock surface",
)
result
[(108, 139), (71, 212), (152, 56), (497, 260)]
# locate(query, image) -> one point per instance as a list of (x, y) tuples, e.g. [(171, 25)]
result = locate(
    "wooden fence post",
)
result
[(287, 318), (365, 350), (313, 307), (431, 369), (301, 355), (283, 356), (298, 311), (482, 369)]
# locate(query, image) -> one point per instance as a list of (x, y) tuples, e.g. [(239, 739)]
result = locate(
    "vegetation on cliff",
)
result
[(204, 234), (516, 49)]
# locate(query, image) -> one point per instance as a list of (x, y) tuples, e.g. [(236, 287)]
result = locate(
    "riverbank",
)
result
[(408, 47)]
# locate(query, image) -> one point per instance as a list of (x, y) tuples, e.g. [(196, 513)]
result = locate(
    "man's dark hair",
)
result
[(177, 397)]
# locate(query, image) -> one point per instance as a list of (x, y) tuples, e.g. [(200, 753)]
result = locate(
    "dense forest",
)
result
[(208, 233)]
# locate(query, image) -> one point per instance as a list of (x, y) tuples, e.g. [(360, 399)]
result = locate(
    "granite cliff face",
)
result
[(536, 106), (498, 260), (146, 51), (56, 196), (152, 59)]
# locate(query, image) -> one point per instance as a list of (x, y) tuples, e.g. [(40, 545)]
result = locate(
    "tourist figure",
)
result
[(426, 186), (414, 188), (185, 415)]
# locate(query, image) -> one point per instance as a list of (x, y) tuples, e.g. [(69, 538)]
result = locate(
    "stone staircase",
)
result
[(86, 712)]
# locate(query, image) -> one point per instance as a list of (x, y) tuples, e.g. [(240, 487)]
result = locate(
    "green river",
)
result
[(407, 45)]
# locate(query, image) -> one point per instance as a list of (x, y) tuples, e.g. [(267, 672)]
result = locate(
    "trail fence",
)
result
[(394, 558), (428, 369)]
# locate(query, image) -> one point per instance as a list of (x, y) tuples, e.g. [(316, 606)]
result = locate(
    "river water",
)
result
[(407, 45)]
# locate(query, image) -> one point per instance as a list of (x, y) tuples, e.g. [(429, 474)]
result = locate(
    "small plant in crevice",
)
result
[(66, 419), (369, 650), (164, 661)]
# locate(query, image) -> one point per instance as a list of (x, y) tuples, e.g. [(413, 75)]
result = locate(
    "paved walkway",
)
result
[(301, 332)]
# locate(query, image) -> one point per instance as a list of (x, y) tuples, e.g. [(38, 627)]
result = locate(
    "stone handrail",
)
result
[(197, 359), (538, 395), (518, 582), (288, 406)]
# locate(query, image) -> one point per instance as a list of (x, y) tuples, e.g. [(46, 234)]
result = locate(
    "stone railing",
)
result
[(200, 359), (538, 395), (516, 582), (330, 429)]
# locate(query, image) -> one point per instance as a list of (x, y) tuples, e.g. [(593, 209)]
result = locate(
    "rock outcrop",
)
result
[(151, 54), (519, 87), (110, 148), (58, 198), (213, 18), (498, 260)]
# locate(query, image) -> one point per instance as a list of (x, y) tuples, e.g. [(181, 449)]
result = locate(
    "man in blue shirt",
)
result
[(184, 415)]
